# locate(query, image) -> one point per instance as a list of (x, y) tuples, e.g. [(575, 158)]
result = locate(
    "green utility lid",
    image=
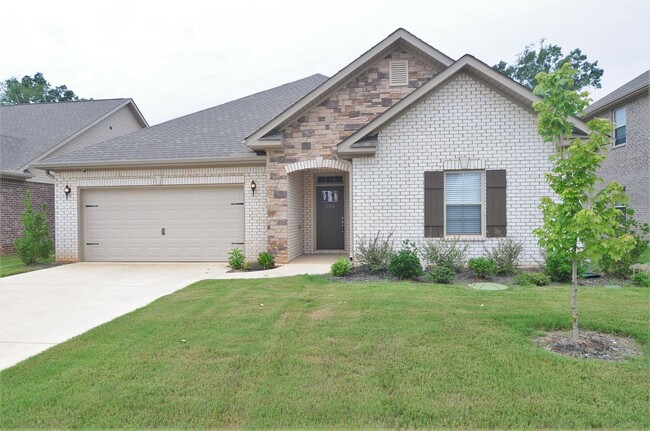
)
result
[(487, 286)]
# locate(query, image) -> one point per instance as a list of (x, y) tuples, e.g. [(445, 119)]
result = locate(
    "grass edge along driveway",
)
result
[(305, 352)]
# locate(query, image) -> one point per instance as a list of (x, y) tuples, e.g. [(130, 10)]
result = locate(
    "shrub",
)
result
[(505, 255), (442, 274), (536, 278), (266, 260), (621, 268), (444, 253), (35, 243), (236, 259), (558, 266), (248, 265), (641, 278), (374, 253), (405, 264), (341, 268), (482, 266)]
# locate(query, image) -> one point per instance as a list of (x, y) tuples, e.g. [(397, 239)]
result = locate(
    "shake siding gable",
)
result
[(463, 120)]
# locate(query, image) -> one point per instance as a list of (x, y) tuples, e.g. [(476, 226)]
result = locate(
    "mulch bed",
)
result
[(590, 345), (255, 267)]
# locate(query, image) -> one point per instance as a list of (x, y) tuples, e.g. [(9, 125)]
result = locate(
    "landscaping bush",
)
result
[(536, 278), (641, 279), (482, 266), (559, 267), (405, 264), (621, 268), (444, 253), (266, 260), (248, 265), (505, 255), (374, 253), (35, 243), (341, 268), (236, 259), (442, 274)]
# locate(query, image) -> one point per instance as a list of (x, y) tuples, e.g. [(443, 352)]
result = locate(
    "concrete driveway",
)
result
[(42, 308)]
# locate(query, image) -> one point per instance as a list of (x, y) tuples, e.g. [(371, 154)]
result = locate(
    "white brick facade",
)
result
[(68, 216), (464, 123)]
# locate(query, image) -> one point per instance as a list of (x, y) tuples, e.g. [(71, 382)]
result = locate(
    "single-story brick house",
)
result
[(403, 139), (32, 132)]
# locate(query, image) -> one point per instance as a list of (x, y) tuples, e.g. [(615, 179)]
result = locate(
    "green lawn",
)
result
[(319, 354), (11, 264)]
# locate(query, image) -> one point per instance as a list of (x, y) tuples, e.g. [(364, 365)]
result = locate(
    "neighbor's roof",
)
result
[(29, 130), (634, 88), (212, 134)]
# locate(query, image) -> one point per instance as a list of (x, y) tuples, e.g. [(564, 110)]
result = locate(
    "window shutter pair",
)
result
[(434, 204)]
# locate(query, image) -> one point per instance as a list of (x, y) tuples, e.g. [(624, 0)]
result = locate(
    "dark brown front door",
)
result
[(329, 218)]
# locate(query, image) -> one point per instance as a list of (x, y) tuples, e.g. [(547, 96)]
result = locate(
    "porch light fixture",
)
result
[(67, 191), (253, 187)]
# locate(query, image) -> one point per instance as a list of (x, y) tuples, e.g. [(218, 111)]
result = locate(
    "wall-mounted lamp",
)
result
[(67, 191), (253, 187)]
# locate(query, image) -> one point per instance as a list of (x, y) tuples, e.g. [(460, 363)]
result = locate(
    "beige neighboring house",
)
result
[(628, 156), (32, 132), (404, 139)]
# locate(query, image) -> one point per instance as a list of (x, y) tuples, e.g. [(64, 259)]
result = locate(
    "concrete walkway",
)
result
[(42, 308)]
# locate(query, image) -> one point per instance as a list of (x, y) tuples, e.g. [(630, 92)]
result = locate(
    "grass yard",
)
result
[(304, 352), (11, 264)]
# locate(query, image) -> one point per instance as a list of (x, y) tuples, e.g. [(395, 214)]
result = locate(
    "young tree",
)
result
[(581, 221), (33, 90), (548, 59), (35, 244)]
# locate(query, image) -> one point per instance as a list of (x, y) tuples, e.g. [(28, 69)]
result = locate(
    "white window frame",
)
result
[(616, 126), (479, 236), (391, 81)]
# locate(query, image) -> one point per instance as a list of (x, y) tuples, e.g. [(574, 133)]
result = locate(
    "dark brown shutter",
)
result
[(496, 203), (434, 204)]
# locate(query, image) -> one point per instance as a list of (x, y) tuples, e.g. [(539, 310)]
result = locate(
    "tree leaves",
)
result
[(549, 58), (33, 90)]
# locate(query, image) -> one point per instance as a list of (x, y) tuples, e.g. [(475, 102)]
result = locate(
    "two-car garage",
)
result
[(158, 224)]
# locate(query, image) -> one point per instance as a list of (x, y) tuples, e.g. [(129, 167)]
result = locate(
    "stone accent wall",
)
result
[(315, 134), (465, 119), (68, 217), (295, 214), (12, 195), (629, 164)]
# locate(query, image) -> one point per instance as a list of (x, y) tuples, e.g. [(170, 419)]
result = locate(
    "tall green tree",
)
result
[(581, 220), (34, 89), (549, 58)]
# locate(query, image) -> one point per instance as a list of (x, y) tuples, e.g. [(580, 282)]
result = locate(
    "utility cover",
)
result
[(487, 286)]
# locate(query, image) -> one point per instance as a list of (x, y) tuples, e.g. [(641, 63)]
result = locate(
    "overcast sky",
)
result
[(178, 57)]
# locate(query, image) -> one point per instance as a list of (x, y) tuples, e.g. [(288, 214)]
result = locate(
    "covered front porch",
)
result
[(319, 201)]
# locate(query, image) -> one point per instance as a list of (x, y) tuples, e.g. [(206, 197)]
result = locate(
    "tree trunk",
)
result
[(574, 281)]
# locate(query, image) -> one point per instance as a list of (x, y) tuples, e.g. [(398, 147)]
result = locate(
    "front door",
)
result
[(330, 232)]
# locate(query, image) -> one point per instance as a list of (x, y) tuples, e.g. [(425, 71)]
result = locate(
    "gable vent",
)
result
[(399, 73)]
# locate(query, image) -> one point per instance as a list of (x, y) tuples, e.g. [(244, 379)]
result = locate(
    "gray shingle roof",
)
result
[(29, 130), (211, 133), (621, 92)]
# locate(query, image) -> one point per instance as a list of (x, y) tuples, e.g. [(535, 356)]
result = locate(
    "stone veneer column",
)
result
[(277, 206)]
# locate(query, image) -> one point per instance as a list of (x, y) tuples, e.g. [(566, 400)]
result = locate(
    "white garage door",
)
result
[(170, 224)]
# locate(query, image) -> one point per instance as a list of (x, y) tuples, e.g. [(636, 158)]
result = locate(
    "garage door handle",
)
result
[(162, 231)]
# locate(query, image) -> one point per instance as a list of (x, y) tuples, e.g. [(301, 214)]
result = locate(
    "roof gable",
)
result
[(43, 127), (360, 143), (398, 39)]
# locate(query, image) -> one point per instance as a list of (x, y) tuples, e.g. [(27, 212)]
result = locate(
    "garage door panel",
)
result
[(200, 223)]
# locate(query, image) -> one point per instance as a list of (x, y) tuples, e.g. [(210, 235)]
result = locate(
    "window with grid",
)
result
[(463, 198)]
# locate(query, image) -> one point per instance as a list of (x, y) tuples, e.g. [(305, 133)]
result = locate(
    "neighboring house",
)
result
[(628, 156), (404, 139), (31, 132)]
